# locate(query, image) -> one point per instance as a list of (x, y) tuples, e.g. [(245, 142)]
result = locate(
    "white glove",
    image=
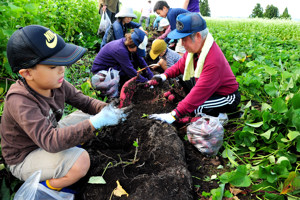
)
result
[(108, 116), (165, 117), (157, 79), (163, 77)]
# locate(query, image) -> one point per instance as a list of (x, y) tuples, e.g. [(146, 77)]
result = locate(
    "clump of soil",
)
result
[(163, 166)]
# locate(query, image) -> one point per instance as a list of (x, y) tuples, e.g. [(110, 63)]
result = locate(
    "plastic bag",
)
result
[(33, 190), (107, 82), (207, 133), (110, 34), (104, 23)]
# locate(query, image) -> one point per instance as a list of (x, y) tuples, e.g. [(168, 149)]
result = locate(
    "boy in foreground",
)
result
[(33, 136)]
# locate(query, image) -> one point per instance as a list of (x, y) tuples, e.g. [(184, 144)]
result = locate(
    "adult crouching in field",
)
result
[(33, 134), (214, 88), (125, 55), (120, 27)]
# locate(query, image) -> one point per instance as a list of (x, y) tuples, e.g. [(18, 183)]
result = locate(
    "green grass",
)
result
[(282, 29)]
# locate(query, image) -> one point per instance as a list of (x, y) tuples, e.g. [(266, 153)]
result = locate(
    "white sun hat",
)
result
[(163, 22), (126, 12)]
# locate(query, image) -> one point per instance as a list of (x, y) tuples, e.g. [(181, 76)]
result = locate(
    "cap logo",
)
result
[(179, 25), (51, 36)]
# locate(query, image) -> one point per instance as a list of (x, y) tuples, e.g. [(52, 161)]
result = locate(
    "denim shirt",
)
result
[(119, 30)]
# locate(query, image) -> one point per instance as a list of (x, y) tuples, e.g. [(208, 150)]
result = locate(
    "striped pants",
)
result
[(219, 104)]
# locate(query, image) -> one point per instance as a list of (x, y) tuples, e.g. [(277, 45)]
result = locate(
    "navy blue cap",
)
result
[(187, 24), (140, 39), (40, 45)]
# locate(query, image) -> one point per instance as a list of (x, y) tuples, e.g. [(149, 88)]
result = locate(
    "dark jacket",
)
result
[(119, 30)]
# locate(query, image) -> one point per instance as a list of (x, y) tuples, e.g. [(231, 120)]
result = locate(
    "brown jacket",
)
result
[(29, 121), (111, 5)]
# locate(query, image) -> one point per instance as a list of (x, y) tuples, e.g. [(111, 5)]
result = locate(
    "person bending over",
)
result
[(214, 88)]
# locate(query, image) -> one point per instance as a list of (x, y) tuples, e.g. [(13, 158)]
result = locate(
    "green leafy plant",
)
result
[(206, 194), (145, 115), (217, 194)]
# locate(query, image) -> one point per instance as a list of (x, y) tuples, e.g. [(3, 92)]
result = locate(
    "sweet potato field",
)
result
[(261, 149)]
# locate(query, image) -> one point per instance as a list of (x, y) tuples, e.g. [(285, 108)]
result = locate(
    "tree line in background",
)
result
[(270, 12), (204, 8)]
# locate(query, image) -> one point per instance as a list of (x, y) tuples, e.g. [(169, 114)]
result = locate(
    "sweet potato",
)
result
[(166, 94), (171, 97), (153, 82), (127, 92)]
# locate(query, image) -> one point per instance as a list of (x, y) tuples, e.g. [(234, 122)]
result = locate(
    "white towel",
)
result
[(189, 71)]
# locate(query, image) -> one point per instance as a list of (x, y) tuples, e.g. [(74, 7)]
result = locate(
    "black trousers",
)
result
[(216, 103), (220, 104)]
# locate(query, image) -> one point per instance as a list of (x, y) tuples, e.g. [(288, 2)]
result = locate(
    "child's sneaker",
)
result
[(67, 190)]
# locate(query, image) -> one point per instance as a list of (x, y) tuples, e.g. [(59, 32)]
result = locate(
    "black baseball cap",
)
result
[(35, 44)]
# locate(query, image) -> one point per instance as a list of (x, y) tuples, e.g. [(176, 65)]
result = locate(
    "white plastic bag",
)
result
[(207, 133), (33, 190), (107, 82), (104, 23)]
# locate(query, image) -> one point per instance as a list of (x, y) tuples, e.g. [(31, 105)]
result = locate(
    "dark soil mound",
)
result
[(162, 165)]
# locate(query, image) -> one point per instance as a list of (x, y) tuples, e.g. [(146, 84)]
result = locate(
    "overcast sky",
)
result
[(230, 8)]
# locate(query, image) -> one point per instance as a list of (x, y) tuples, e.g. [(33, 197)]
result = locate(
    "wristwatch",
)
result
[(173, 113)]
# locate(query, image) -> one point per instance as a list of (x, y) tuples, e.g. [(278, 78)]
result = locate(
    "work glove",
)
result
[(109, 115), (165, 117), (157, 79)]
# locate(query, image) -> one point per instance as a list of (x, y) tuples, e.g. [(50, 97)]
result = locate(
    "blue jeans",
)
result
[(147, 20)]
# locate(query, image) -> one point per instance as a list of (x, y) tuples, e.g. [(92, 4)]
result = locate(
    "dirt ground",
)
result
[(164, 165)]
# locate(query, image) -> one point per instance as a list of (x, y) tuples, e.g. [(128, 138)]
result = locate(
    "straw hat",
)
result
[(126, 12)]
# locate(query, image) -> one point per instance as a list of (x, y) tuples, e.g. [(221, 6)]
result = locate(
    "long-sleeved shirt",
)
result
[(111, 4), (164, 35), (172, 15), (119, 30), (171, 57), (216, 78), (146, 11), (116, 55), (29, 121)]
